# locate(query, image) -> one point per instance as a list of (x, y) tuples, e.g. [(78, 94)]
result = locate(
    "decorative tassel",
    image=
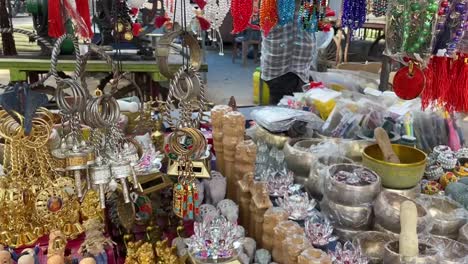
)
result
[(82, 7), (200, 3), (204, 24), (441, 80), (241, 11), (56, 24), (453, 98), (136, 29), (134, 11), (160, 21), (268, 15), (427, 96)]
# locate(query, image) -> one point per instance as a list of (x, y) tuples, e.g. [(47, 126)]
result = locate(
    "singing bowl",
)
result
[(345, 234), (346, 194), (317, 171), (379, 228), (387, 212), (450, 251), (411, 193), (463, 234), (297, 158), (404, 175), (276, 140), (372, 244), (427, 254), (444, 212), (349, 217)]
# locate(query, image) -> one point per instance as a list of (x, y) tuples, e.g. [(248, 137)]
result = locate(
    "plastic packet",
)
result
[(313, 256), (293, 246), (350, 184), (328, 146), (409, 30), (278, 119)]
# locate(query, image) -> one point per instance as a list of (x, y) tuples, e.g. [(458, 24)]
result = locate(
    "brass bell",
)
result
[(67, 229), (29, 238), (5, 237), (128, 35)]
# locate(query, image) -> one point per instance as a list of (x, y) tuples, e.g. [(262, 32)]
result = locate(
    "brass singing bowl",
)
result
[(372, 244), (346, 194), (297, 156), (276, 140), (349, 217), (387, 212), (411, 193), (427, 254), (404, 175), (463, 234), (442, 210), (345, 234), (317, 170), (379, 228), (451, 251)]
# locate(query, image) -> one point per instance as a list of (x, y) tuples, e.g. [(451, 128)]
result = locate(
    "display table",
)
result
[(19, 67)]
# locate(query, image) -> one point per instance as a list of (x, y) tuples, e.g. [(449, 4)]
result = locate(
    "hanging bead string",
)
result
[(286, 9), (379, 7), (354, 14), (268, 15), (241, 11), (312, 16), (456, 17)]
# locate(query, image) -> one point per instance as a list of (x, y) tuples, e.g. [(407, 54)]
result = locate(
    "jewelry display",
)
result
[(215, 12), (268, 15), (354, 14), (312, 15)]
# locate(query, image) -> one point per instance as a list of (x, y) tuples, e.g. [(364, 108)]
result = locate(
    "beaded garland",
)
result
[(286, 10), (311, 16), (379, 7), (354, 14), (268, 15), (241, 11), (455, 15)]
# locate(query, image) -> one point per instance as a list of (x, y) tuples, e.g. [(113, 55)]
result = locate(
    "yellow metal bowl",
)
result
[(406, 174)]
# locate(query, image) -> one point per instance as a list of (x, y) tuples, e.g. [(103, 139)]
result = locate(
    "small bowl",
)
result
[(379, 228), (447, 215), (346, 194), (317, 171), (387, 212), (277, 140), (411, 193), (452, 252), (427, 254), (345, 234), (297, 159), (404, 175), (372, 244), (349, 217), (463, 234)]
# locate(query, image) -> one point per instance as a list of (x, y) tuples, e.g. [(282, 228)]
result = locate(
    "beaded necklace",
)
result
[(311, 16), (379, 7), (286, 10), (456, 17), (268, 15), (241, 11), (354, 14)]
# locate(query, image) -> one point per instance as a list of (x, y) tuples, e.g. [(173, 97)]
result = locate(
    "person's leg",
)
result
[(286, 84)]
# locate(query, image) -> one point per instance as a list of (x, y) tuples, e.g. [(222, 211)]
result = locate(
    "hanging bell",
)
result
[(132, 156), (76, 161), (121, 170), (100, 176)]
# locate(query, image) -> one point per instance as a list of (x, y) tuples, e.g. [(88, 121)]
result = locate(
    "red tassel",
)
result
[(134, 11), (82, 7), (56, 24), (440, 66), (204, 24), (200, 3), (241, 11), (427, 96), (160, 21), (460, 85), (136, 28)]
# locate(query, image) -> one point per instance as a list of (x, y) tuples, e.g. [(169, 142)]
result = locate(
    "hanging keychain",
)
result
[(188, 144)]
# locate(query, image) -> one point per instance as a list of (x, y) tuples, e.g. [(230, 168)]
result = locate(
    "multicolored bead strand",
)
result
[(354, 14), (241, 11), (379, 7), (308, 16), (286, 10), (458, 19), (268, 15)]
